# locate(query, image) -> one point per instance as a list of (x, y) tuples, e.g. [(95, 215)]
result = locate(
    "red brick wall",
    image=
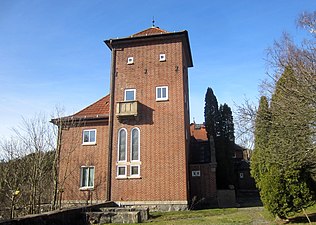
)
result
[(74, 155), (163, 145)]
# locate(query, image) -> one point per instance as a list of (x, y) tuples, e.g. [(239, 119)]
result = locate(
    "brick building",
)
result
[(132, 146)]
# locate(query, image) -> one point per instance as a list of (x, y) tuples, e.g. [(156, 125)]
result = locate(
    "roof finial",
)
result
[(153, 21)]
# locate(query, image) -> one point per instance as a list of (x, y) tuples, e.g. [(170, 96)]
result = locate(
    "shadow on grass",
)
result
[(154, 216), (303, 219)]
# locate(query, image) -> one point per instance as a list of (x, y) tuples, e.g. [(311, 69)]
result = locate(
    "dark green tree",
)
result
[(262, 130), (211, 113), (224, 144), (219, 125)]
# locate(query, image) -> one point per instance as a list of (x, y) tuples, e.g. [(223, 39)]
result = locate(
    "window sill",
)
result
[(162, 100), (89, 143), (86, 188), (128, 177), (121, 178), (135, 177)]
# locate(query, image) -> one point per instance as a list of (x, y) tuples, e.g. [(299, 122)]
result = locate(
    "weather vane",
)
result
[(153, 21)]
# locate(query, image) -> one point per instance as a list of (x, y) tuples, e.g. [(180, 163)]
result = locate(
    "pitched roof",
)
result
[(198, 131), (99, 108), (150, 31)]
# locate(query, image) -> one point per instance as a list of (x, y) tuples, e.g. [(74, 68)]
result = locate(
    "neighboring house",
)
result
[(202, 163), (243, 179), (132, 146)]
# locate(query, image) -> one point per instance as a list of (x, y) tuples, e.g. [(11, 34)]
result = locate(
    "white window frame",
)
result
[(118, 145), (89, 142), (196, 173), (135, 175), (162, 57), (162, 98), (85, 187), (131, 147), (130, 60), (130, 89), (117, 171)]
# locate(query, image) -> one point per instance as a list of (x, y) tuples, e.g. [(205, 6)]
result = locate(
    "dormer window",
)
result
[(130, 60), (162, 57)]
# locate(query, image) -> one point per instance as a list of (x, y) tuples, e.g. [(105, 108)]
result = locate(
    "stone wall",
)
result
[(71, 216)]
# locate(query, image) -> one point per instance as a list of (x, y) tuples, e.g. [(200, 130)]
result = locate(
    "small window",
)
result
[(121, 171), (135, 170), (130, 95), (196, 173), (87, 177), (89, 136), (241, 175), (162, 93), (162, 57), (130, 60)]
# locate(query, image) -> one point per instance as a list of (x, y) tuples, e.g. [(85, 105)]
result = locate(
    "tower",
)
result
[(149, 118)]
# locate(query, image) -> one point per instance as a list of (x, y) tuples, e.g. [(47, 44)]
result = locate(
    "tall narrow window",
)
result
[(122, 136), (162, 93), (130, 95), (135, 144), (87, 177)]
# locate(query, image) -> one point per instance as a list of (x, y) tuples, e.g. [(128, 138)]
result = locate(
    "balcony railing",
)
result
[(126, 108)]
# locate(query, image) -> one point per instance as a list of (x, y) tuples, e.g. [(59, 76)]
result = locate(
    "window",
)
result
[(128, 159), (130, 60), (87, 177), (241, 175), (135, 144), (162, 93), (162, 57), (130, 95), (89, 136), (135, 170), (196, 173), (121, 171), (122, 136)]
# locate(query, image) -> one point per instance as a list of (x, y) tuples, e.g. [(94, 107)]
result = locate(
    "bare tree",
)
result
[(244, 119)]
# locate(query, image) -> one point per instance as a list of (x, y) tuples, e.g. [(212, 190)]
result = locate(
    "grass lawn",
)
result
[(253, 215)]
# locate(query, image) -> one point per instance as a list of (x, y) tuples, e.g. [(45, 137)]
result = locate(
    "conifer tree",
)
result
[(284, 182), (224, 144), (262, 130), (211, 113)]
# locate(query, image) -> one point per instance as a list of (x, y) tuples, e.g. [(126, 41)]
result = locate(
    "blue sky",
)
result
[(52, 52)]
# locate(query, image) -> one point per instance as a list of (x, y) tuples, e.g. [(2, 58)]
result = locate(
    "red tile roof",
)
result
[(150, 31), (99, 108), (198, 131)]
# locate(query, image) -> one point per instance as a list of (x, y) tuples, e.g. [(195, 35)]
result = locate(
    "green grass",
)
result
[(231, 216)]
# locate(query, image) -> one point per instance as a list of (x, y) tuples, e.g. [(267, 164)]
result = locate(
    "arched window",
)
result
[(135, 144), (122, 138)]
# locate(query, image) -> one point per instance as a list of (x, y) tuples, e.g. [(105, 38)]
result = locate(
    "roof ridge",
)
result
[(150, 31)]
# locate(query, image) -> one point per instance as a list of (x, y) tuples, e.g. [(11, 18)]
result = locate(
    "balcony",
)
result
[(126, 108)]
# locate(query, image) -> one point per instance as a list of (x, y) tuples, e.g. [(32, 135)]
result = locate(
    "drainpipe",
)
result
[(111, 121)]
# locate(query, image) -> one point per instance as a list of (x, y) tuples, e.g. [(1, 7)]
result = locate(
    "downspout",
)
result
[(111, 122)]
